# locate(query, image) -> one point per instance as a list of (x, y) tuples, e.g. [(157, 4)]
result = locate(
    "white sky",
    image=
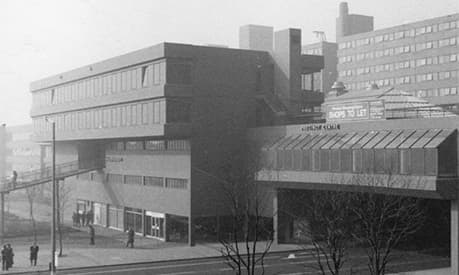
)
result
[(45, 37)]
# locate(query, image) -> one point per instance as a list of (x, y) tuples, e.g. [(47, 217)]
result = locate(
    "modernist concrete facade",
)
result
[(163, 119), (420, 58)]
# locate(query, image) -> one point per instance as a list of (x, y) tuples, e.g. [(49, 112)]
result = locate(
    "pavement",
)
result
[(110, 250)]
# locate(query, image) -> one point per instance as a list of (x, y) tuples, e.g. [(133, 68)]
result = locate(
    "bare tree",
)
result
[(329, 228), (384, 221)]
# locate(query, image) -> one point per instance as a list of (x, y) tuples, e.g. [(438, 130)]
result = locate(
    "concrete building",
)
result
[(163, 119), (349, 24), (329, 74), (420, 58)]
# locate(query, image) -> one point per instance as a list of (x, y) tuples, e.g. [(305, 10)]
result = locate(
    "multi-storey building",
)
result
[(329, 74), (163, 120), (420, 58)]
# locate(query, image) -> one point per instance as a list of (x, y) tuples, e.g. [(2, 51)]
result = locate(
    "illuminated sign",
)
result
[(356, 111)]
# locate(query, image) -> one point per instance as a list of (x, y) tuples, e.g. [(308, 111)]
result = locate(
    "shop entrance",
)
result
[(154, 224)]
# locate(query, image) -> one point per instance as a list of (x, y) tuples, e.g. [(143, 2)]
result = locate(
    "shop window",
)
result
[(297, 156), (405, 161), (391, 161), (379, 161), (346, 160), (335, 160), (280, 159), (306, 160), (315, 160), (154, 181), (116, 217), (431, 161), (288, 155), (357, 161), (368, 161), (324, 160), (417, 161), (133, 219)]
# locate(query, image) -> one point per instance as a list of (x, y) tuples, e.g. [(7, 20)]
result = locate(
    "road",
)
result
[(275, 263)]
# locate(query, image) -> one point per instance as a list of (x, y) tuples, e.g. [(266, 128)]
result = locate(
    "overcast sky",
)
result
[(45, 37)]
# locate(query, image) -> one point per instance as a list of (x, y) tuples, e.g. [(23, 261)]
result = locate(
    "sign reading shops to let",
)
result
[(367, 110)]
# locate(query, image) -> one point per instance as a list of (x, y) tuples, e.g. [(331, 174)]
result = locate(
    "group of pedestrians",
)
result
[(8, 256), (83, 219)]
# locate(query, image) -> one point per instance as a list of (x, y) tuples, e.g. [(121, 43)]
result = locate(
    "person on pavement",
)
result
[(83, 218), (4, 258), (34, 254), (92, 234), (9, 256), (130, 240)]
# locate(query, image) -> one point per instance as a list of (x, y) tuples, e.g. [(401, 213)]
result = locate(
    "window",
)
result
[(132, 179), (405, 162), (114, 178), (357, 161), (134, 145), (154, 181), (155, 145), (116, 217), (178, 145), (116, 146), (176, 183), (145, 113)]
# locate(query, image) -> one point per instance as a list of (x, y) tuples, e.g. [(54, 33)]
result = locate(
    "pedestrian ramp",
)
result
[(45, 174)]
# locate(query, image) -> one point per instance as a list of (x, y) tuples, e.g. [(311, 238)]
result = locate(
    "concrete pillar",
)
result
[(191, 240), (2, 218), (143, 223), (275, 217), (455, 237)]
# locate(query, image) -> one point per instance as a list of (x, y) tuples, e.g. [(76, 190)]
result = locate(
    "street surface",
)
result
[(275, 263)]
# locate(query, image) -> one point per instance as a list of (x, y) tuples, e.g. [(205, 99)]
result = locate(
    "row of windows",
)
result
[(406, 78), (311, 82), (316, 51), (452, 41), (150, 145), (436, 92), (152, 112), (399, 35), (389, 67), (131, 79), (394, 161), (174, 183)]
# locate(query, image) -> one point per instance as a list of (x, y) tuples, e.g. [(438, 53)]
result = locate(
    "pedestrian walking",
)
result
[(78, 219), (130, 240), (92, 234), (34, 254), (4, 258), (9, 256), (83, 218)]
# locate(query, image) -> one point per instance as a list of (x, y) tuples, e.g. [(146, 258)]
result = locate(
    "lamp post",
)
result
[(53, 220)]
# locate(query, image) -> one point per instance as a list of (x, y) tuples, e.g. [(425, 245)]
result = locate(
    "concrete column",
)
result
[(2, 218), (165, 228), (455, 237), (275, 217), (143, 223), (191, 240)]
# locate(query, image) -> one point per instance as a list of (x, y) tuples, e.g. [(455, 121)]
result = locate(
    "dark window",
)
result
[(133, 219), (178, 145), (405, 161), (155, 145), (346, 160), (114, 178), (357, 161), (297, 156), (134, 145), (116, 217), (417, 161), (379, 161), (368, 161), (154, 181), (324, 160), (176, 183), (132, 179), (431, 161), (280, 159), (315, 160), (391, 161), (116, 146), (335, 160), (306, 163), (288, 165)]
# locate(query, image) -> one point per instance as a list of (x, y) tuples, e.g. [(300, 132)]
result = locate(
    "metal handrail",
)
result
[(44, 174)]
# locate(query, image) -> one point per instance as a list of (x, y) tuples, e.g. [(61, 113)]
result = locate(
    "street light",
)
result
[(53, 220)]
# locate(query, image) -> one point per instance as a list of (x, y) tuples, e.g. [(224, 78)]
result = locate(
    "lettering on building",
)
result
[(320, 127)]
